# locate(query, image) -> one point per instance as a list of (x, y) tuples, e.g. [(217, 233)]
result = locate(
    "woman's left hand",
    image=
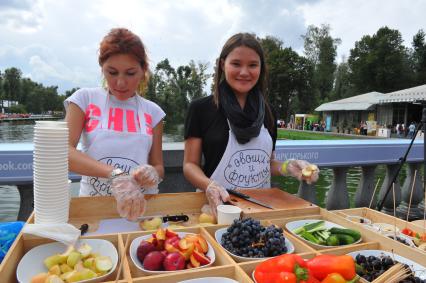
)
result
[(303, 171)]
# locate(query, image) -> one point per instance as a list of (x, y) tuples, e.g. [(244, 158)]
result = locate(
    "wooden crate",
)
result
[(92, 209)]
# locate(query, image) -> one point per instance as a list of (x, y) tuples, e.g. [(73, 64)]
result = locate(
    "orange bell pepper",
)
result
[(322, 265)]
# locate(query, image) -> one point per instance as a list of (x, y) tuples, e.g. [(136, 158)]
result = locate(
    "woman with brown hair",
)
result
[(234, 129), (120, 131)]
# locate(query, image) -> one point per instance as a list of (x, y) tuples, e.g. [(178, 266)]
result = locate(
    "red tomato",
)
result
[(408, 232)]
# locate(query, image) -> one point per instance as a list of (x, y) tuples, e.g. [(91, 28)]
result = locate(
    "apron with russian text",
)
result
[(124, 148), (245, 165)]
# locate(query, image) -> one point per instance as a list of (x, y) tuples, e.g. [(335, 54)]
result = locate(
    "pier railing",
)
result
[(339, 155)]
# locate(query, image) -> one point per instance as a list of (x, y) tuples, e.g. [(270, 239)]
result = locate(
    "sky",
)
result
[(56, 42)]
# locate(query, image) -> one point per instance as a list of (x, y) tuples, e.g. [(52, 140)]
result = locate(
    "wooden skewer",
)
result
[(395, 274), (394, 210), (123, 254), (374, 193), (411, 196), (424, 210)]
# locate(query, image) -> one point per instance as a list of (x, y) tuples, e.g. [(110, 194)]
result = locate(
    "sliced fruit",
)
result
[(54, 279), (73, 258), (203, 244), (188, 252), (194, 261), (201, 258), (170, 233), (85, 250), (103, 263), (65, 268), (52, 260), (161, 234), (55, 270), (39, 278)]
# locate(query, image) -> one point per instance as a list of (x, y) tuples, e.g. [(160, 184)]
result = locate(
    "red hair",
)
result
[(122, 41)]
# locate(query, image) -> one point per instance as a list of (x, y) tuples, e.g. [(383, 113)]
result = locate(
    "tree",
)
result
[(11, 84), (342, 84), (419, 57), (289, 79), (321, 51), (68, 93), (380, 63)]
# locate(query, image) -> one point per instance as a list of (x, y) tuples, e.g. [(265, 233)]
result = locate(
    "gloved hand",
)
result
[(147, 177), (216, 195), (301, 170), (131, 202)]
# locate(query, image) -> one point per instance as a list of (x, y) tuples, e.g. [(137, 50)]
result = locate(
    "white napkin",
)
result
[(61, 232)]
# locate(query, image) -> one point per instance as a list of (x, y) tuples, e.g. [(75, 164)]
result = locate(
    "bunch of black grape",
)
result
[(248, 238), (372, 267)]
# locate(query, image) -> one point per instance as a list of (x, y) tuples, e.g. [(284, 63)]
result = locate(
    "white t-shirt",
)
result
[(118, 133)]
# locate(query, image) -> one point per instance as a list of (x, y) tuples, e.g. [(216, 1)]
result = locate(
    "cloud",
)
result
[(21, 16)]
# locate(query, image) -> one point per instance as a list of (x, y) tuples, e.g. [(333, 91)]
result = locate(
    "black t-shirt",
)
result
[(206, 121)]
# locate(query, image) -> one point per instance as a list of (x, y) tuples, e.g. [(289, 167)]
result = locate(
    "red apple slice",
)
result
[(170, 233), (201, 258), (194, 261), (203, 244)]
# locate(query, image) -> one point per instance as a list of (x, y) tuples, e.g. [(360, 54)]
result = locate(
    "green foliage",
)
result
[(380, 63), (419, 57), (321, 51), (289, 78), (173, 89), (308, 135), (18, 109)]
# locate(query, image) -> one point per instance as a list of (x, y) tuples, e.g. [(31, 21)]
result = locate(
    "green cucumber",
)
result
[(309, 227), (333, 240), (308, 236), (353, 233), (344, 239)]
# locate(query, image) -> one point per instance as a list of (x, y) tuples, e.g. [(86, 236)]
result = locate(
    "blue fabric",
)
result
[(8, 233)]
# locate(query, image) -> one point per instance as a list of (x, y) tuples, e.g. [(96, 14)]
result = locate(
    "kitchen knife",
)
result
[(248, 198), (167, 218)]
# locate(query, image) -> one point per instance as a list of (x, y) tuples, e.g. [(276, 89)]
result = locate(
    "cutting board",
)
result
[(275, 197)]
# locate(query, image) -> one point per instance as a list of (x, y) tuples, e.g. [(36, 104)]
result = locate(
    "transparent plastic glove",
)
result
[(216, 195), (146, 176), (302, 171), (131, 202)]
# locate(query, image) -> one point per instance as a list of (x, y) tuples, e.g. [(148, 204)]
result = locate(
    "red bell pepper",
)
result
[(322, 265), (283, 269)]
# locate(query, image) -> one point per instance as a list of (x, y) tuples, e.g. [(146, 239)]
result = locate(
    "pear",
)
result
[(89, 263), (152, 224), (55, 270), (85, 250), (74, 276), (206, 218), (103, 263), (52, 260), (54, 279), (73, 258), (65, 268), (87, 274), (65, 255)]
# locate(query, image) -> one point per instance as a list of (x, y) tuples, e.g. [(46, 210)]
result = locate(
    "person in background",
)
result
[(234, 129), (120, 131), (411, 130)]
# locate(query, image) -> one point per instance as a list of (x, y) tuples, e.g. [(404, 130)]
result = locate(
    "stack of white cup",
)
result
[(50, 172)]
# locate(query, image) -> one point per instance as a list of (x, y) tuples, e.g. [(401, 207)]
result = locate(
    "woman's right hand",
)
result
[(131, 202), (216, 195)]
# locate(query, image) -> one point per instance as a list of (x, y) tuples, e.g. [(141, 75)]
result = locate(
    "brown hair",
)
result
[(123, 41), (250, 41)]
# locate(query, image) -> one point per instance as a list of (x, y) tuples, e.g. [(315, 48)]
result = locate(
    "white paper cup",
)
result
[(226, 214)]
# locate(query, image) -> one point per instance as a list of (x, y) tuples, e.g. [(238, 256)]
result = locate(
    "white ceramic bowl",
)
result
[(218, 236), (386, 227), (291, 226), (419, 270), (32, 262), (135, 244), (408, 239)]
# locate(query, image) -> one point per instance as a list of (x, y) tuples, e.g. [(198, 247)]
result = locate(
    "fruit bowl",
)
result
[(32, 264), (292, 226), (218, 236), (136, 242)]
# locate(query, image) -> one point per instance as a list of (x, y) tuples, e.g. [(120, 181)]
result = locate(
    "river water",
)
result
[(16, 132)]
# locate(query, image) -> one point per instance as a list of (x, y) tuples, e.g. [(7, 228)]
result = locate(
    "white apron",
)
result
[(245, 165), (125, 150)]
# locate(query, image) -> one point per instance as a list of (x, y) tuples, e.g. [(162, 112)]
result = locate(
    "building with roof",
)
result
[(385, 109)]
